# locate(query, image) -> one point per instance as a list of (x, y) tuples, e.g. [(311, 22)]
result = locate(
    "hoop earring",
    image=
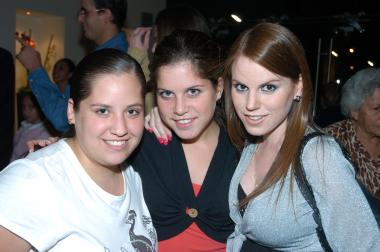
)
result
[(297, 98)]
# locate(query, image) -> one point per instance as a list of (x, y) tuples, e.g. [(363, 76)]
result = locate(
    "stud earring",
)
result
[(297, 98)]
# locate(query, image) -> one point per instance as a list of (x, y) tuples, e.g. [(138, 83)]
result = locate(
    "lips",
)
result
[(116, 144), (183, 123), (254, 119)]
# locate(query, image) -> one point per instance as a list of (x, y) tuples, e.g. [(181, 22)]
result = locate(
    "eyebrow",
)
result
[(136, 105), (265, 82), (108, 106), (194, 86)]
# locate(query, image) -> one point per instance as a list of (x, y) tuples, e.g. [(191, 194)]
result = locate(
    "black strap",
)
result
[(307, 192)]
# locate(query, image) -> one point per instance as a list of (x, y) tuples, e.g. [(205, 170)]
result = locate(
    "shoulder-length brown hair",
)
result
[(277, 49)]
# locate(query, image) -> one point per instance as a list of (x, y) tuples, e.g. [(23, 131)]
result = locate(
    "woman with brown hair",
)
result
[(268, 100), (186, 177), (79, 194)]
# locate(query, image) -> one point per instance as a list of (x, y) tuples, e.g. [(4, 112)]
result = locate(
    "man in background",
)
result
[(101, 21)]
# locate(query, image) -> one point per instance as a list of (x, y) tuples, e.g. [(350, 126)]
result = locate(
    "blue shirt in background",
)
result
[(54, 103)]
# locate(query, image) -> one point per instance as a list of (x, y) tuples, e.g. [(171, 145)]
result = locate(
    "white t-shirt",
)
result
[(50, 201)]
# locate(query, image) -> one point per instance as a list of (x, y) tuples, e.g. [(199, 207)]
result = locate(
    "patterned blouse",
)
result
[(368, 169)]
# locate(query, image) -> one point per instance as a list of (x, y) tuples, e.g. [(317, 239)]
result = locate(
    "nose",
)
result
[(180, 106), (119, 126), (252, 101), (80, 18)]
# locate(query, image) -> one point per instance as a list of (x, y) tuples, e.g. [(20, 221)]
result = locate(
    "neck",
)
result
[(108, 33), (109, 178), (209, 133)]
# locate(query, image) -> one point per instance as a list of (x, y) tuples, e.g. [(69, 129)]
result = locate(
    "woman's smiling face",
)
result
[(262, 99), (109, 122)]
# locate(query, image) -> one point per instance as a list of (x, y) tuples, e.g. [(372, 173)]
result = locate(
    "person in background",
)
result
[(32, 127), (186, 176), (79, 194), (62, 71), (268, 108), (101, 21), (144, 40), (7, 105), (328, 111), (359, 134)]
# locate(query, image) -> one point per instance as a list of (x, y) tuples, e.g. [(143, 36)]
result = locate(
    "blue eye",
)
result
[(193, 91), (268, 88), (240, 87), (165, 93)]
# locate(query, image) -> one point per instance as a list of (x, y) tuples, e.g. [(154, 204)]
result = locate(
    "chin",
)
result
[(116, 159), (256, 132)]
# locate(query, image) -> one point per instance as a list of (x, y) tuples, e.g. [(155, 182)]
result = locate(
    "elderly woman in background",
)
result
[(360, 132)]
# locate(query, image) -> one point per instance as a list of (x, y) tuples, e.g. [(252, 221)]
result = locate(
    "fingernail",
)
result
[(166, 142), (160, 140), (170, 138), (150, 130)]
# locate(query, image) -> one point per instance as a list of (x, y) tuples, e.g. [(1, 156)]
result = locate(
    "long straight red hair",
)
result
[(277, 49)]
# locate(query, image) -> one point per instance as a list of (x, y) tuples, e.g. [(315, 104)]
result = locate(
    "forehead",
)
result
[(375, 97), (179, 73), (116, 86), (27, 99), (245, 69), (60, 64), (87, 4)]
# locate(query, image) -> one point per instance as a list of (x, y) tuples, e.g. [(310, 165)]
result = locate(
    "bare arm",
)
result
[(9, 242)]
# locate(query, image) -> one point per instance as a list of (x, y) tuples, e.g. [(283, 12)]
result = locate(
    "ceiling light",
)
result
[(236, 18), (370, 63), (335, 54)]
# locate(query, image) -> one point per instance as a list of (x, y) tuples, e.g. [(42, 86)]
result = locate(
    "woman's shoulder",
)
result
[(36, 174), (47, 161), (318, 141), (321, 154)]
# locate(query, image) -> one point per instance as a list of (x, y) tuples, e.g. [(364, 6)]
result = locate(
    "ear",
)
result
[(219, 88), (70, 111), (299, 87), (354, 114), (108, 16)]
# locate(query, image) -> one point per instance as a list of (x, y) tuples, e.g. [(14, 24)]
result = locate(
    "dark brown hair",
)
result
[(197, 48), (118, 9), (277, 49), (98, 63), (179, 18)]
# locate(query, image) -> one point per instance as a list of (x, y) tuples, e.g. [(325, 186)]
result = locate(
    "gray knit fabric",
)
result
[(288, 225)]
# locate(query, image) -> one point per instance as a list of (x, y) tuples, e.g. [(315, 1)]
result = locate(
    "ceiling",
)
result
[(352, 24)]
